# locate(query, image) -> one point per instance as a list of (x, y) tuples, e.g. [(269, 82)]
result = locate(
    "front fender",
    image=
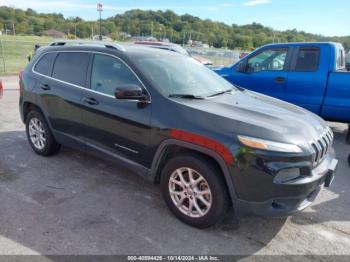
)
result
[(215, 156)]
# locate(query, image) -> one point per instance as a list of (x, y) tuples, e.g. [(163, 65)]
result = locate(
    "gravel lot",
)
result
[(73, 203)]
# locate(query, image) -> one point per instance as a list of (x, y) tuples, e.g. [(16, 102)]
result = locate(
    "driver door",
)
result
[(120, 127), (266, 72)]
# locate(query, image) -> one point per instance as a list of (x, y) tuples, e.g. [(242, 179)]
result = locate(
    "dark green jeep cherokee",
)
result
[(210, 145)]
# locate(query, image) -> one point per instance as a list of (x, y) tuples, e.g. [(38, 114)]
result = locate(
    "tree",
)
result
[(179, 28)]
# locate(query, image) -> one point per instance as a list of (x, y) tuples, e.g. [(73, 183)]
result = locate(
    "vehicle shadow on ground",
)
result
[(73, 203), (335, 209)]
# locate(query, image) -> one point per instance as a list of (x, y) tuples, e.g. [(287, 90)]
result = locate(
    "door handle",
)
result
[(45, 87), (280, 79), (91, 101)]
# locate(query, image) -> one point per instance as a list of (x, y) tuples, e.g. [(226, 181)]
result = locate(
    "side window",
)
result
[(308, 59), (44, 64), (71, 67), (347, 59), (340, 58), (268, 60), (347, 62), (108, 73)]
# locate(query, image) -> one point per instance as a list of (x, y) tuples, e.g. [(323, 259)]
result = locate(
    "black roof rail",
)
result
[(111, 45)]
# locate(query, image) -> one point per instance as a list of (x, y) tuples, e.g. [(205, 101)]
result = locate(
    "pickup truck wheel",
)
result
[(39, 135), (194, 191)]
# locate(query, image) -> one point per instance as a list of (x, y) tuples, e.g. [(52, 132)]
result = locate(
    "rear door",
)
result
[(120, 127), (307, 78), (63, 90), (265, 72)]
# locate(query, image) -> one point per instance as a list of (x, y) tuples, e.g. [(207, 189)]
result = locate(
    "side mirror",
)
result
[(131, 92), (242, 67)]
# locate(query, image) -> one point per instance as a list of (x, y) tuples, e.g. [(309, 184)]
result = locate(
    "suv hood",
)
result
[(253, 114)]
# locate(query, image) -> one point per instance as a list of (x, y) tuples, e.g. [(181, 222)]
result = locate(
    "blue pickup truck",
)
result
[(310, 75)]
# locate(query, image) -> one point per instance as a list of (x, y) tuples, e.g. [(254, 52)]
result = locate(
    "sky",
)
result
[(325, 17)]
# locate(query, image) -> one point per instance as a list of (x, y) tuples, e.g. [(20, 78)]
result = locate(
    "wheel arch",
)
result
[(170, 147), (27, 107)]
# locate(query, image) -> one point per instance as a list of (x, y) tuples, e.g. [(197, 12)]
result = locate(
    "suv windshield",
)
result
[(182, 75)]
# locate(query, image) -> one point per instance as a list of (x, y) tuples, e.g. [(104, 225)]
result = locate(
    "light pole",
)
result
[(100, 9)]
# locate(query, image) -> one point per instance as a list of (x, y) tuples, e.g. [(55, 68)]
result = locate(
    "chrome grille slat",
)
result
[(326, 136), (328, 139), (315, 153), (318, 152), (323, 149), (320, 146), (326, 142)]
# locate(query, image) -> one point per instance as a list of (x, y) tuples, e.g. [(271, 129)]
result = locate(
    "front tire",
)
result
[(194, 190), (39, 135)]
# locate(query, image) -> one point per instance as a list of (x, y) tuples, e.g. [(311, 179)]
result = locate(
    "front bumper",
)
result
[(287, 198)]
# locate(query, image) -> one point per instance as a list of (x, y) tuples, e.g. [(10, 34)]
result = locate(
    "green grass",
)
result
[(15, 50)]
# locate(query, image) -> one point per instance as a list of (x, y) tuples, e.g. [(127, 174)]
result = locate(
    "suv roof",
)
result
[(100, 46), (89, 43)]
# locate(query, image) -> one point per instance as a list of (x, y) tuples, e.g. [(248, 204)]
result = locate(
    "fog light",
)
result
[(286, 175)]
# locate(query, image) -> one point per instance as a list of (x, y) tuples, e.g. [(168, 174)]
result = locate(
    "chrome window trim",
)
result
[(89, 89), (126, 148)]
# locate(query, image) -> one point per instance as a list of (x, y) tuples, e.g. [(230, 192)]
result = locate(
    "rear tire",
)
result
[(201, 201), (39, 135)]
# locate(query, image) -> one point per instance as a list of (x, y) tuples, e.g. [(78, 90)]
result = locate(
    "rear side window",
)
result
[(340, 58), (71, 67), (308, 59), (43, 66), (347, 59)]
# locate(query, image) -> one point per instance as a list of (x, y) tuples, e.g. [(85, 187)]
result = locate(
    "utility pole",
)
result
[(75, 31), (151, 28), (100, 9), (13, 28)]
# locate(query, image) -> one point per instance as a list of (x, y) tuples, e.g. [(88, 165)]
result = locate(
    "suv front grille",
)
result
[(321, 146)]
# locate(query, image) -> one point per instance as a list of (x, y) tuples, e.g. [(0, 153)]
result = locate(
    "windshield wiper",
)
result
[(221, 93), (188, 96), (239, 88)]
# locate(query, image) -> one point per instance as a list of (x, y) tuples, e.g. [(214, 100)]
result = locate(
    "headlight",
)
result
[(262, 144)]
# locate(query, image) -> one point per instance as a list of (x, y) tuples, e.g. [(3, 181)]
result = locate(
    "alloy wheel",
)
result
[(37, 133), (190, 192)]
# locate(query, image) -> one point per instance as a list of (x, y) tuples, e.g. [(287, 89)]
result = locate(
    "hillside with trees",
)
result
[(160, 24)]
